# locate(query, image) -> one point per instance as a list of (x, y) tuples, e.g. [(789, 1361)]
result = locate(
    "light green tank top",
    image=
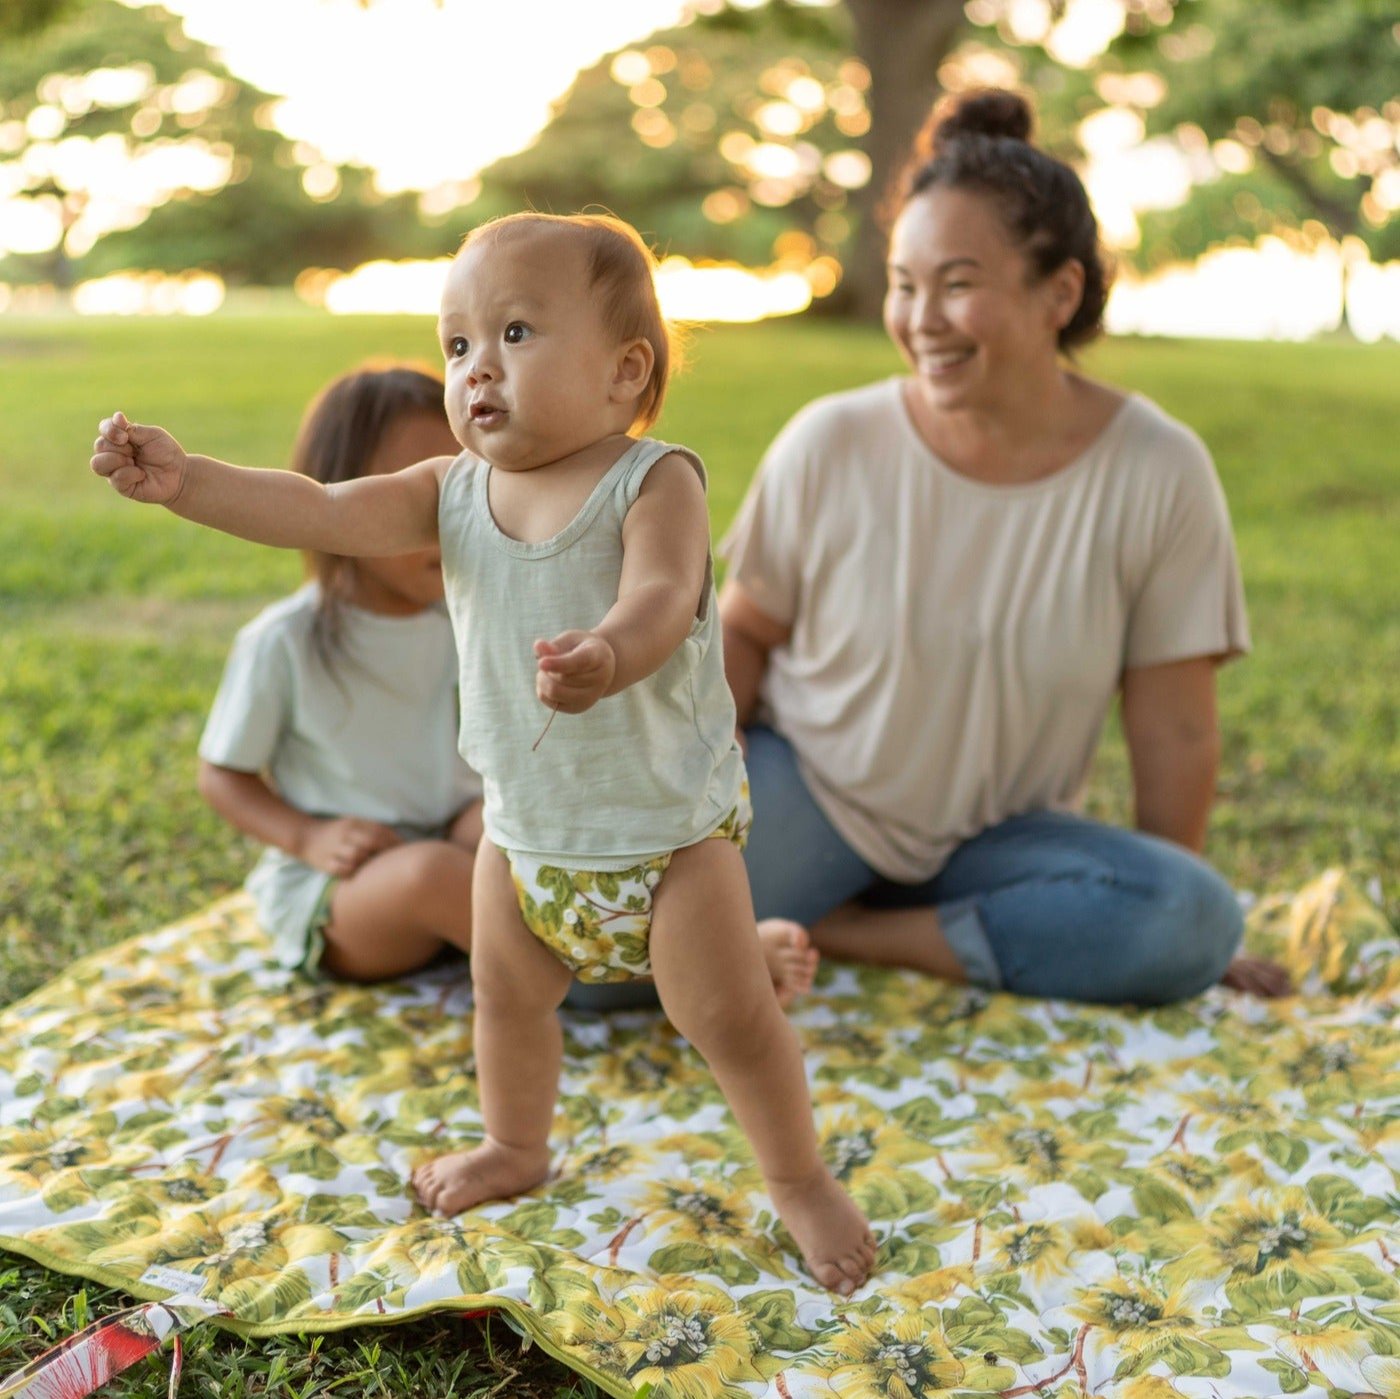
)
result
[(643, 772)]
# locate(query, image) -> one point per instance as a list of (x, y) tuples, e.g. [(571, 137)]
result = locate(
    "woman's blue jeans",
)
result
[(1045, 904)]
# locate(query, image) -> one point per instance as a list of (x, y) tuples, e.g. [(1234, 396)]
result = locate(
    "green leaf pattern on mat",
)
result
[(1201, 1200)]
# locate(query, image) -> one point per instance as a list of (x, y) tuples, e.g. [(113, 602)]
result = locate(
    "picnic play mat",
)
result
[(1200, 1200)]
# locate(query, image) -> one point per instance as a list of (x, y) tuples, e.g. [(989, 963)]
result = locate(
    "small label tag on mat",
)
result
[(173, 1280)]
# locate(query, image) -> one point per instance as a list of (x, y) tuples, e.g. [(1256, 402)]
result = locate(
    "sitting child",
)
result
[(579, 577), (333, 738)]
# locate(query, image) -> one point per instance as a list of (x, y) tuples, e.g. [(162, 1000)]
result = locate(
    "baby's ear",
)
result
[(635, 362)]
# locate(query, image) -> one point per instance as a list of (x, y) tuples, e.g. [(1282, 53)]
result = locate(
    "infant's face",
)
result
[(528, 357)]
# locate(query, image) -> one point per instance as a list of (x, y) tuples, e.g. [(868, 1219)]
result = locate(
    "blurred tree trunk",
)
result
[(902, 42)]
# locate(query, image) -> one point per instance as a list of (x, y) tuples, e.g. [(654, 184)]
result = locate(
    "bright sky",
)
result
[(423, 93)]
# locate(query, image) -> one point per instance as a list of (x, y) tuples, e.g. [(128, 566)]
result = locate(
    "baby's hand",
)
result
[(575, 670), (143, 463), (340, 846)]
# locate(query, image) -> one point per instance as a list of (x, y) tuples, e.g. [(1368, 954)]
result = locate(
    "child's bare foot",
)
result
[(828, 1228), (492, 1171), (791, 958)]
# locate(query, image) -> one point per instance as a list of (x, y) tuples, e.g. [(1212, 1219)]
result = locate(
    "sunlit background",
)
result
[(421, 98)]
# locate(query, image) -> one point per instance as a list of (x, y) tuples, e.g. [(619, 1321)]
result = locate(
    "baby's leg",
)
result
[(396, 912), (716, 989), (518, 986)]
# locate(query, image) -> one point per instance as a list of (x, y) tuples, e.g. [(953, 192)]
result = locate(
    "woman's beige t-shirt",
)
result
[(956, 646)]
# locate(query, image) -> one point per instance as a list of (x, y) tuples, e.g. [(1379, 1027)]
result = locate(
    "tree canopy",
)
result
[(1295, 105), (746, 133), (140, 150)]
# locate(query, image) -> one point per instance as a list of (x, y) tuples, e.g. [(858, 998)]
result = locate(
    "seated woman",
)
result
[(937, 586)]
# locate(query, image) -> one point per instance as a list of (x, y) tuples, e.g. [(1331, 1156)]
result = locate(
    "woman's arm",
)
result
[(1169, 720), (338, 846), (373, 515), (749, 635)]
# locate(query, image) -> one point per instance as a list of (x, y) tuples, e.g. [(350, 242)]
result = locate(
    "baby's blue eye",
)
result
[(516, 332), (457, 347)]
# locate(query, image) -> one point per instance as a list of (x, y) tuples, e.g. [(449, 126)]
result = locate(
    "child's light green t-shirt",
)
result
[(372, 735), (369, 736), (643, 772)]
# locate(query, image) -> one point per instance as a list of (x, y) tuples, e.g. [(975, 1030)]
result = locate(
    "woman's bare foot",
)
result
[(791, 958), (492, 1171), (828, 1228), (1259, 977)]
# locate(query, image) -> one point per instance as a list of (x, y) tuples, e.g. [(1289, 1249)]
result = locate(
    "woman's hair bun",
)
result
[(987, 112)]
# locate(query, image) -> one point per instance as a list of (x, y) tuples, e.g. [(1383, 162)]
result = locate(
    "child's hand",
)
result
[(143, 463), (340, 846), (575, 670)]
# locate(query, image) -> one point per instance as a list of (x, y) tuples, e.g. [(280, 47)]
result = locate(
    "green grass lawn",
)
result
[(114, 622)]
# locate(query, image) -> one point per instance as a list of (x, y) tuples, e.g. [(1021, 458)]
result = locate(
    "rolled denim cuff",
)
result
[(961, 922)]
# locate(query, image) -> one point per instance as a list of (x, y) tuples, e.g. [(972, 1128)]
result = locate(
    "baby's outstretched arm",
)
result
[(372, 515), (665, 549)]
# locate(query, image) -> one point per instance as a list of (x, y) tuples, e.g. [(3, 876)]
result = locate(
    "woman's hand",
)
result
[(339, 846), (575, 670), (143, 463)]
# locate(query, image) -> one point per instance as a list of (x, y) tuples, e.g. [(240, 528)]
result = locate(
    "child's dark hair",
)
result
[(981, 141), (620, 270), (339, 436)]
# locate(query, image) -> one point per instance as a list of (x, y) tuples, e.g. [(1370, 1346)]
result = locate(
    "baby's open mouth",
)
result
[(485, 414)]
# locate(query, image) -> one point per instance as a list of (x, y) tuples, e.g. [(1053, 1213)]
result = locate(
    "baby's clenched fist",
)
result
[(144, 463)]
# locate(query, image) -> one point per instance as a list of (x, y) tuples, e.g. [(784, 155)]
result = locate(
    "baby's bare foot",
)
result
[(830, 1231), (791, 958), (492, 1171)]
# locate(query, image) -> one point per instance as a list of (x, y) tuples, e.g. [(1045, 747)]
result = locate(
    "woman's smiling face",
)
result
[(963, 305)]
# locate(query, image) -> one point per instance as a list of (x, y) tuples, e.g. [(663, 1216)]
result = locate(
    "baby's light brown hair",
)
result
[(620, 272)]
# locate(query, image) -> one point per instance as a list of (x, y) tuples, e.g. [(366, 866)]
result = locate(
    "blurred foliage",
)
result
[(21, 17), (261, 227), (1289, 86), (1287, 113), (655, 150), (1309, 89)]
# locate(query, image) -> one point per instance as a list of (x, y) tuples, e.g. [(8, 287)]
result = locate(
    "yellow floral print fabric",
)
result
[(598, 922), (1199, 1200)]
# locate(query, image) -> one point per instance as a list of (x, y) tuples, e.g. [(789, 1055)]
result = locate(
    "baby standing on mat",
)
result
[(332, 739), (577, 565)]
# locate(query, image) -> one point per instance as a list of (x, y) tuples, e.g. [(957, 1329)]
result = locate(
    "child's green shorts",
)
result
[(598, 922)]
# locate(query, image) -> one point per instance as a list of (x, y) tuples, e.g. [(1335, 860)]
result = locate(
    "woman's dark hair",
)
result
[(339, 435), (981, 141)]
